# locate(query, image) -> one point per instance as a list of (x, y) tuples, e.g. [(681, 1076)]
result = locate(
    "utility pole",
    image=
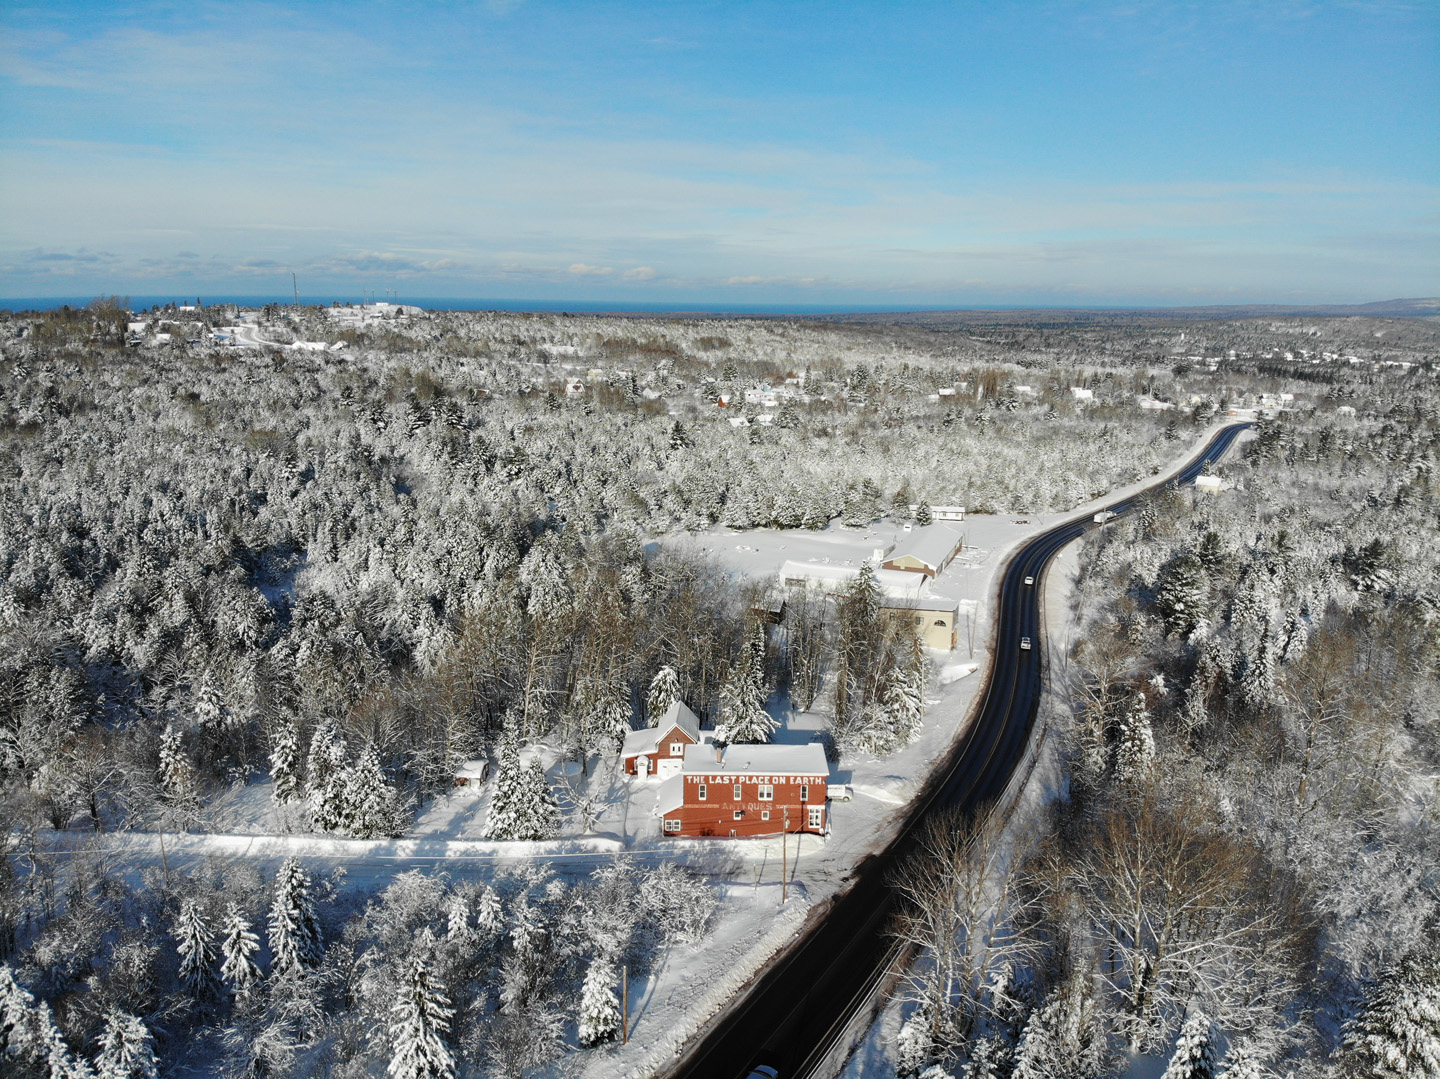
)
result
[(296, 286), (784, 856), (624, 1005)]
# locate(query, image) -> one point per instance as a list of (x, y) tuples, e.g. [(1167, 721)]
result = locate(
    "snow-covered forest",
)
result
[(1240, 871), (342, 573)]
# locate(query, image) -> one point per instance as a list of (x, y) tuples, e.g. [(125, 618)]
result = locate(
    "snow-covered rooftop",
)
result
[(807, 759), (931, 545), (647, 740), (892, 582)]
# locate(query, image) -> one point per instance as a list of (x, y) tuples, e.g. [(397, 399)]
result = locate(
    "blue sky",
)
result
[(888, 153)]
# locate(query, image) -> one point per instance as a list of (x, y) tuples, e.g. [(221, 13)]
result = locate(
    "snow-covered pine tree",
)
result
[(522, 806), (608, 721), (1194, 1056), (127, 1049), (742, 697), (1242, 1062), (196, 945), (1296, 636), (370, 806), (325, 770), (915, 1044), (1181, 596), (1038, 1054), (457, 918), (988, 1059), (1135, 749), (419, 1022), (599, 1008), (899, 718), (209, 707), (1397, 1034), (285, 762), (1257, 683), (664, 691), (923, 514), (177, 775), (489, 915), (19, 1033), (238, 946), (294, 935)]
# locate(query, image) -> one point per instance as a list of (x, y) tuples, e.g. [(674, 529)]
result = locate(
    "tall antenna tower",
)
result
[(296, 286)]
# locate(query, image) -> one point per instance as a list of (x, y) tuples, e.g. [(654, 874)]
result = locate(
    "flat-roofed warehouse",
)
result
[(926, 550)]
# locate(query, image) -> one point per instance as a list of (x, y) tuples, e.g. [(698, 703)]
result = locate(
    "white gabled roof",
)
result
[(930, 545), (805, 760), (648, 740)]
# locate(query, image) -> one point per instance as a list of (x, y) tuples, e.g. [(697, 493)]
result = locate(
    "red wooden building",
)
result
[(746, 790)]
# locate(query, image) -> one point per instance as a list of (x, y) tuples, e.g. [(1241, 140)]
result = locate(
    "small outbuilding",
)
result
[(472, 774)]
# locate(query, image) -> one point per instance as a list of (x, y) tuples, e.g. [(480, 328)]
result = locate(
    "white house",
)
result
[(1079, 393), (574, 386)]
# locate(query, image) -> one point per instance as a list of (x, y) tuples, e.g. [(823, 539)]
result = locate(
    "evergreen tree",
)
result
[(1181, 597), (607, 718), (915, 1044), (127, 1049), (284, 763), (196, 945), (857, 646), (489, 915), (742, 698), (371, 806), (1397, 1034), (209, 707), (522, 806), (1242, 1062), (1038, 1054), (599, 1008), (988, 1059), (177, 775), (325, 777), (238, 946), (664, 691), (1257, 683), (1194, 1056), (1296, 637), (419, 1023), (294, 935), (923, 514), (1135, 751)]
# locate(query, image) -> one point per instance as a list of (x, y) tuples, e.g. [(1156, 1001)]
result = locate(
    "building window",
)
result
[(738, 795), (939, 621), (671, 827), (739, 814), (764, 814), (677, 749), (804, 792), (702, 792), (817, 817), (767, 792)]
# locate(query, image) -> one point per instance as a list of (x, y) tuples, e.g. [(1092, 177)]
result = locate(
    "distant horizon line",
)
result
[(15, 305)]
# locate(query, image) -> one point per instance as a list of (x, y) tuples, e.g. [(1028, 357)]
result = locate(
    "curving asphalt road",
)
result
[(793, 1014)]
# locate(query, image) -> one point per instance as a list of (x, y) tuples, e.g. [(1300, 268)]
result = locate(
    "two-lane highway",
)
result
[(793, 1013)]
